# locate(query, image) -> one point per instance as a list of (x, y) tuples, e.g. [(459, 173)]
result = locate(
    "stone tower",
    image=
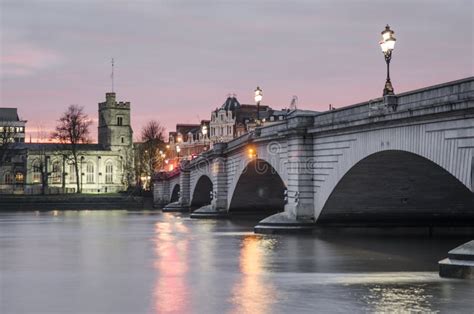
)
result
[(115, 131)]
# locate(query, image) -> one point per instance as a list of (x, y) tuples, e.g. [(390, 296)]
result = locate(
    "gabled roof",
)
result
[(9, 114)]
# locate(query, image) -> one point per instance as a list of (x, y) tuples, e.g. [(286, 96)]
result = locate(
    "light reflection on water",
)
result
[(121, 262), (398, 299), (171, 290), (253, 293)]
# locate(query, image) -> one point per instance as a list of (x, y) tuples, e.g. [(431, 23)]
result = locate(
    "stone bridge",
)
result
[(408, 157)]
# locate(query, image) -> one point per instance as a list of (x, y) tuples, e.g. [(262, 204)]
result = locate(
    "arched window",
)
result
[(8, 178), (56, 172), (109, 172), (36, 167), (90, 172), (119, 120)]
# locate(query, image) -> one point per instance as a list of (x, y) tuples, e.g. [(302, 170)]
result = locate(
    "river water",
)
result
[(150, 262)]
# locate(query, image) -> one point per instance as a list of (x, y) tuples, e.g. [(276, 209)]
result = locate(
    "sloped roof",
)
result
[(9, 114), (231, 103)]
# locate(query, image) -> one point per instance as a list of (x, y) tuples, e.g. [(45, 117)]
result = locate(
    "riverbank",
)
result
[(71, 202)]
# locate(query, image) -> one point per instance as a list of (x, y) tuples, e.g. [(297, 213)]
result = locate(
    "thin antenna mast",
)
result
[(112, 75)]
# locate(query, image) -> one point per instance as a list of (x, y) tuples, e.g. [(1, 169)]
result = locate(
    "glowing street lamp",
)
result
[(204, 130), (258, 98), (388, 44), (178, 149), (252, 153)]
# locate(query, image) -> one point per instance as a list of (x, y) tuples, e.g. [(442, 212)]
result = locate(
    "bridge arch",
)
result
[(201, 194), (259, 189), (396, 185), (274, 153), (175, 193)]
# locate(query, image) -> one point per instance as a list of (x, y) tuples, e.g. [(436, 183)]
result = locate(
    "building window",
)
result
[(90, 172), (19, 178), (72, 173), (56, 172), (8, 178), (119, 120), (36, 172), (109, 173), (122, 139)]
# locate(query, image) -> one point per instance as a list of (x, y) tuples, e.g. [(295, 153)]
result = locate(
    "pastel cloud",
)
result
[(22, 58)]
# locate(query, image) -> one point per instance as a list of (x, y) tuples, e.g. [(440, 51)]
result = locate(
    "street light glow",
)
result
[(258, 94)]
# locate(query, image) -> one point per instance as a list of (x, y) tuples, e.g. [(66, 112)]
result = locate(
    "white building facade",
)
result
[(104, 167)]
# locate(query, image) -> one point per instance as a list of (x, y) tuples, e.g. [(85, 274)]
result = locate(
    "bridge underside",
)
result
[(175, 194), (259, 190), (202, 193), (398, 187)]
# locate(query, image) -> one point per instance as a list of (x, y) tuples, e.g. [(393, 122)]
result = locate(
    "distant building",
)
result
[(187, 141), (233, 119), (12, 128), (104, 167)]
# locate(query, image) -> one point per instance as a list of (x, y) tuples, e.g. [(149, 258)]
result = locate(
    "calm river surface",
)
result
[(150, 262)]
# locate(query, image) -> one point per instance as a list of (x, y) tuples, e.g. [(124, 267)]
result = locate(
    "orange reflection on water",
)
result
[(171, 291), (253, 294)]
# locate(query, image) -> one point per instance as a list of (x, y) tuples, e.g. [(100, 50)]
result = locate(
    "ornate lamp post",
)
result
[(388, 44), (258, 99)]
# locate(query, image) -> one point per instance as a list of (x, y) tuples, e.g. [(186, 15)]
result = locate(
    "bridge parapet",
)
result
[(423, 102)]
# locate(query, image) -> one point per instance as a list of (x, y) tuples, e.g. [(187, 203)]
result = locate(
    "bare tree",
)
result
[(39, 168), (73, 129), (153, 131), (148, 158)]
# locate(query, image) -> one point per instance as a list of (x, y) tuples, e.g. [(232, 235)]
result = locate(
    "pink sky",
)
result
[(177, 60)]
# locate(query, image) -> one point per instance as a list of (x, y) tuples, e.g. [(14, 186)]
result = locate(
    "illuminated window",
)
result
[(19, 178), (56, 172), (36, 171), (109, 173), (90, 172)]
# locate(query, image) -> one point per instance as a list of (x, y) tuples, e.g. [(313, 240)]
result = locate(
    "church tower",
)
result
[(115, 130)]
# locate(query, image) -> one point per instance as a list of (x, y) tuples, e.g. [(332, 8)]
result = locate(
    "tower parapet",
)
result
[(114, 128)]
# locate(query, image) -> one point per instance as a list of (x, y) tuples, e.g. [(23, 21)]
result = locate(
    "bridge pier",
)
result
[(184, 202), (161, 189), (218, 206), (298, 216)]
